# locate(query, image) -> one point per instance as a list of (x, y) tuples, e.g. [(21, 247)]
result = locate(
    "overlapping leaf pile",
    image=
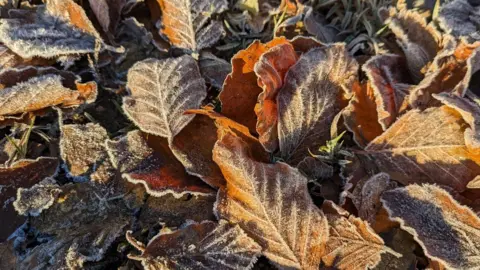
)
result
[(158, 134)]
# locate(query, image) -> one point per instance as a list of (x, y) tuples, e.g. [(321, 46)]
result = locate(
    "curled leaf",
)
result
[(307, 103), (447, 231), (33, 200), (271, 204), (240, 90), (270, 70), (149, 161), (206, 245), (460, 18), (188, 24), (161, 91), (432, 146)]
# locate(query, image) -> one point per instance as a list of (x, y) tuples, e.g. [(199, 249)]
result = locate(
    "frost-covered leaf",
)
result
[(161, 91), (58, 28), (30, 89), (307, 103), (188, 24), (437, 145), (271, 204), (419, 41), (33, 200), (316, 24), (389, 82), (315, 168), (403, 243), (240, 90), (149, 161), (270, 70), (452, 71), (21, 174), (447, 231), (461, 19), (366, 195), (206, 245), (108, 13), (352, 243), (82, 147), (360, 116), (213, 69)]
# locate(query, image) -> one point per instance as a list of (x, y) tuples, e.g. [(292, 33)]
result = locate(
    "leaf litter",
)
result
[(218, 134)]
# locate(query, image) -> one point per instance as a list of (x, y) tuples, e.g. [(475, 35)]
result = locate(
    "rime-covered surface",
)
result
[(47, 36), (160, 94), (447, 231), (35, 93), (213, 69), (307, 103), (461, 19), (33, 200), (206, 245), (315, 169), (348, 236), (187, 23), (428, 147), (420, 42), (271, 204), (82, 148), (156, 168)]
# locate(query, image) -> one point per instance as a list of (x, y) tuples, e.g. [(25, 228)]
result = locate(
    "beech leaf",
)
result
[(432, 146), (32, 201), (271, 204), (460, 18), (149, 161), (205, 245), (447, 231), (352, 243), (240, 89), (214, 70), (108, 13), (307, 103), (161, 91), (188, 24)]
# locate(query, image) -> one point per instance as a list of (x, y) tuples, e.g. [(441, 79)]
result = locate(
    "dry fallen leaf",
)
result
[(307, 103), (447, 231), (432, 146), (352, 244), (188, 24), (270, 70), (214, 70), (149, 161), (33, 200), (160, 94), (205, 245), (108, 13), (240, 89), (460, 18), (271, 204)]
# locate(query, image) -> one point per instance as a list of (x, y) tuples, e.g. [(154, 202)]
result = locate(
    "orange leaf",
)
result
[(270, 70), (240, 89)]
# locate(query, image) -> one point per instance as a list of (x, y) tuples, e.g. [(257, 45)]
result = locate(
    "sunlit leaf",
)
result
[(447, 231), (438, 145), (206, 245), (161, 91), (32, 201), (307, 103), (149, 161), (271, 204), (188, 24), (352, 244)]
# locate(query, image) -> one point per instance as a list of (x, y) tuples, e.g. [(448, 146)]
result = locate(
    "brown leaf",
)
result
[(432, 146), (161, 91), (366, 195), (403, 243), (419, 41), (148, 160), (72, 13), (390, 82), (447, 231), (316, 169), (108, 13), (270, 70), (352, 244), (307, 103), (188, 24), (82, 147), (240, 89), (361, 116), (21, 174), (205, 245), (271, 204), (213, 69)]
